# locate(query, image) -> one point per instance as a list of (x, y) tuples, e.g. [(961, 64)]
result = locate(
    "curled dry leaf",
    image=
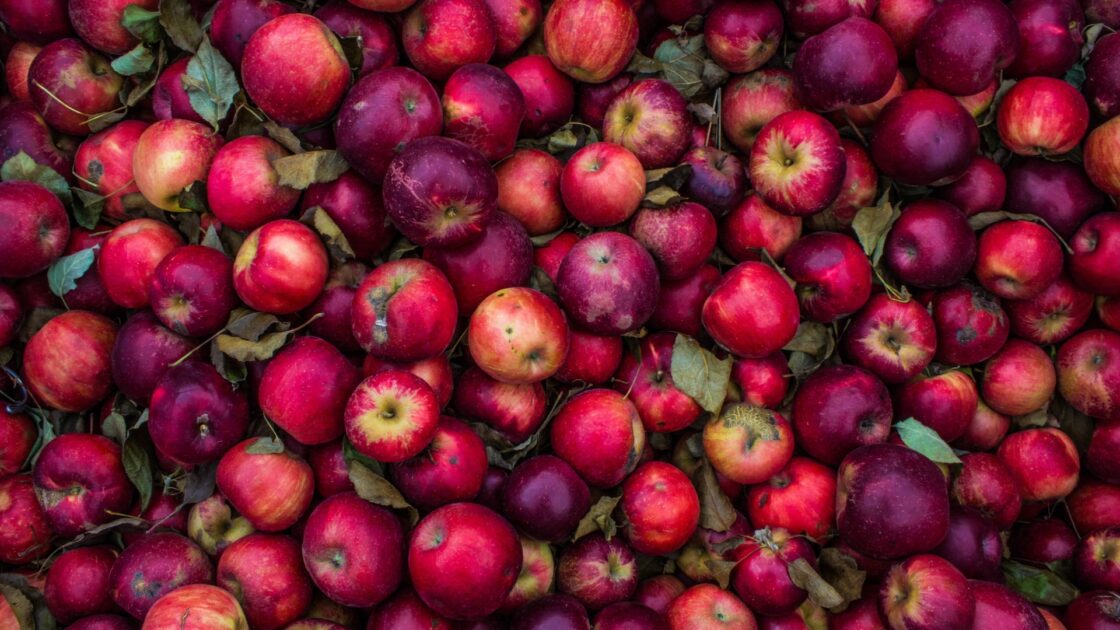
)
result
[(598, 518)]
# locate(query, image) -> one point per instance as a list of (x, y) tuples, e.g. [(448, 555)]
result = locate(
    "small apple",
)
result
[(451, 468), (743, 35), (518, 336), (1044, 461), (103, 164), (797, 163), (195, 413), (926, 591), (708, 607), (191, 290), (597, 572), (545, 498), (143, 351), (987, 484), (153, 566), (753, 225), (946, 402), (549, 94), (931, 245), (77, 584), (1018, 379), (894, 340), (753, 100), (36, 229), (391, 416), (405, 310), (660, 507), (529, 190), (608, 284), (72, 85), (651, 119), (982, 188), (832, 273), (971, 324), (25, 530), (602, 184), (242, 188), (280, 268), (271, 489)]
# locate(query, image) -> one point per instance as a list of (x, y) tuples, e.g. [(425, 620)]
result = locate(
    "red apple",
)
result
[(271, 489), (196, 415), (25, 530), (859, 190), (1096, 241), (661, 508), (518, 336), (196, 607), (718, 179), (1044, 461), (762, 382), (1095, 609), (280, 268), (549, 94), (514, 411), (1042, 116), (103, 164), (987, 484), (36, 229), (926, 591), (1050, 38), (644, 377), (17, 437), (708, 607), (592, 359), (1089, 373), (78, 585), (71, 85), (552, 610), (66, 364), (839, 408), (680, 237), (169, 96), (356, 207), (982, 188), (170, 156), (947, 54), (1018, 259), (1000, 607), (304, 390), (650, 118), (142, 353), (797, 163), (235, 21), (748, 444), (129, 257), (734, 318), (483, 107), (602, 184), (191, 290), (405, 310), (1100, 157), (658, 592), (753, 225), (853, 62), (832, 273), (591, 55), (265, 572), (971, 325), (894, 340), (243, 189), (924, 137), (99, 23), (440, 36), (800, 498), (529, 190), (1019, 379), (451, 468), (597, 571), (391, 416), (23, 129), (743, 35), (379, 42), (16, 68), (545, 498), (973, 544), (1094, 505), (501, 258), (753, 100), (945, 403), (1095, 562), (599, 433), (515, 21), (680, 303), (1098, 459), (761, 575), (153, 566), (626, 615), (930, 245), (1102, 75), (608, 284)]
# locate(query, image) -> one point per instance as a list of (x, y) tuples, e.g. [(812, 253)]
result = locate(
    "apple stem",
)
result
[(855, 129)]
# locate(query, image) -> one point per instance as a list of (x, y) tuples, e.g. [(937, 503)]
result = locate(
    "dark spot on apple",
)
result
[(966, 334), (96, 171)]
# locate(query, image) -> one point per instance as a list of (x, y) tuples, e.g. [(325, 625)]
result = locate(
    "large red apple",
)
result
[(591, 55), (797, 163), (72, 85), (1042, 116), (35, 232), (440, 36), (170, 156), (66, 364), (103, 165), (600, 433), (281, 267), (405, 310), (740, 319), (651, 119)]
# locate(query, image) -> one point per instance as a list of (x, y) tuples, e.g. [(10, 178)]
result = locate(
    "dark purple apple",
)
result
[(144, 350), (973, 545), (838, 409), (23, 129), (71, 85), (196, 415), (964, 43), (718, 180), (849, 64), (1050, 38), (483, 107), (1058, 192), (379, 43), (545, 498), (552, 612), (169, 97), (982, 188), (924, 137), (597, 572), (502, 257), (832, 274), (931, 245), (1102, 77)]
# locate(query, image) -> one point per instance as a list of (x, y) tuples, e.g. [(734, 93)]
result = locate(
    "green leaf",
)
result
[(598, 518), (212, 240), (177, 18), (211, 84), (353, 51), (926, 441), (20, 167), (286, 137), (115, 427), (265, 446), (1075, 76), (142, 23), (198, 484), (138, 467), (88, 206), (251, 325), (20, 606), (698, 373), (810, 348), (682, 63), (377, 490), (136, 61), (1041, 586), (313, 167), (843, 573), (193, 198), (716, 511), (245, 350), (64, 273), (873, 223)]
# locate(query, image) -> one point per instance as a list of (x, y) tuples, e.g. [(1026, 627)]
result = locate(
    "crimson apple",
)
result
[(103, 164), (602, 184), (853, 62), (153, 566), (1098, 459), (196, 607), (651, 119), (242, 188), (608, 284), (1042, 115), (514, 411), (405, 310), (129, 257), (195, 414), (832, 274), (25, 530), (518, 336), (839, 408), (1101, 157), (753, 225), (1044, 461), (335, 304), (403, 610), (451, 468), (800, 498), (170, 156), (483, 107), (761, 574), (170, 98), (971, 325), (549, 94), (1058, 192), (680, 237), (304, 390), (1018, 379), (973, 544), (591, 55), (501, 257), (680, 303), (529, 190), (658, 592), (1050, 37), (440, 36), (645, 378), (597, 572), (930, 245), (271, 489), (945, 403), (797, 163), (379, 42), (142, 353), (1094, 505), (77, 584), (67, 363), (36, 229), (23, 129), (554, 610), (600, 434), (661, 508), (1000, 607), (858, 190), (894, 340), (1089, 372), (235, 21), (391, 416), (280, 268), (982, 188), (17, 437), (924, 137), (265, 573), (545, 498), (708, 607), (926, 591), (762, 382), (743, 35), (987, 484), (191, 290), (753, 100), (515, 21), (1102, 77), (947, 54), (592, 359), (734, 313), (72, 85), (1095, 609)]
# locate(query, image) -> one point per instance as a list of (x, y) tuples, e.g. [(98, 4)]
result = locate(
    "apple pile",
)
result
[(560, 314)]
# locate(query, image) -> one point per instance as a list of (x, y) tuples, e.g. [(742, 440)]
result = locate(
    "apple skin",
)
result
[(1089, 372), (483, 107), (169, 97), (36, 229), (1100, 157), (754, 225), (206, 607), (592, 359), (381, 114), (948, 62), (872, 474), (761, 575), (529, 190), (733, 316), (451, 468), (301, 93), (545, 498), (129, 257), (77, 584), (753, 100), (973, 545), (81, 81), (926, 591), (280, 268), (170, 156), (999, 607), (971, 324), (825, 69), (243, 189), (99, 23), (658, 592), (191, 290), (142, 353), (838, 409), (1101, 87), (271, 490), (602, 184), (500, 258), (353, 550), (265, 573), (518, 336), (645, 378), (16, 68), (1018, 379), (23, 129), (590, 55), (103, 164), (1094, 505), (681, 237), (629, 615), (549, 256), (1053, 315), (608, 284), (440, 36), (1095, 563), (67, 365), (924, 137), (893, 340), (35, 21), (18, 435), (1050, 38), (762, 382), (513, 411), (1058, 192), (153, 566), (395, 294), (800, 498), (1045, 540), (651, 119), (1094, 609), (945, 403), (379, 42), (681, 302), (550, 96), (931, 245), (858, 190), (235, 21), (357, 208), (982, 188), (597, 572), (708, 607), (391, 416), (195, 413), (742, 36), (1094, 243), (902, 19), (515, 21), (797, 163), (304, 390), (600, 434), (1044, 461), (554, 610), (455, 574), (832, 274), (988, 485), (1018, 259), (403, 610), (1042, 116), (718, 179), (1098, 460), (330, 468), (26, 530), (661, 508)]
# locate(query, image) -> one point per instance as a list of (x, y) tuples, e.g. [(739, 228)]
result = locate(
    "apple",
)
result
[(1000, 607), (271, 488), (1058, 192), (129, 257), (72, 85), (1025, 130), (463, 559), (23, 129), (436, 372), (153, 566), (708, 607), (743, 35), (1095, 563), (518, 336), (403, 610), (852, 62), (18, 435), (170, 156), (195, 414), (36, 229), (330, 469), (832, 274), (973, 544), (926, 591), (336, 305), (645, 378), (1053, 315), (924, 137), (651, 119), (1094, 505), (1050, 38), (501, 257), (735, 319), (26, 531), (66, 364), (452, 467), (753, 225), (985, 431), (554, 610), (718, 179), (658, 592), (1099, 154), (1045, 540), (762, 382), (839, 408), (16, 68), (1101, 87), (99, 23), (608, 284), (982, 188), (549, 94), (405, 310), (309, 91), (513, 411), (625, 615), (212, 526), (600, 434), (1088, 368), (971, 324), (902, 19), (440, 36), (875, 473), (483, 107), (800, 498), (590, 55), (947, 55), (103, 164), (381, 114), (894, 340), (592, 359), (1018, 259), (945, 403), (265, 573), (761, 574), (1044, 461), (545, 498), (142, 353), (89, 292), (747, 444), (680, 303), (660, 507), (379, 42), (391, 416), (235, 21), (987, 484), (243, 189), (304, 390), (602, 184), (196, 607), (858, 190), (1018, 379), (597, 572), (1097, 240), (353, 550), (77, 584), (797, 163), (191, 290), (1097, 458), (280, 268), (751, 101), (169, 96), (529, 190), (515, 21), (1094, 609), (931, 245), (680, 237), (39, 22)]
